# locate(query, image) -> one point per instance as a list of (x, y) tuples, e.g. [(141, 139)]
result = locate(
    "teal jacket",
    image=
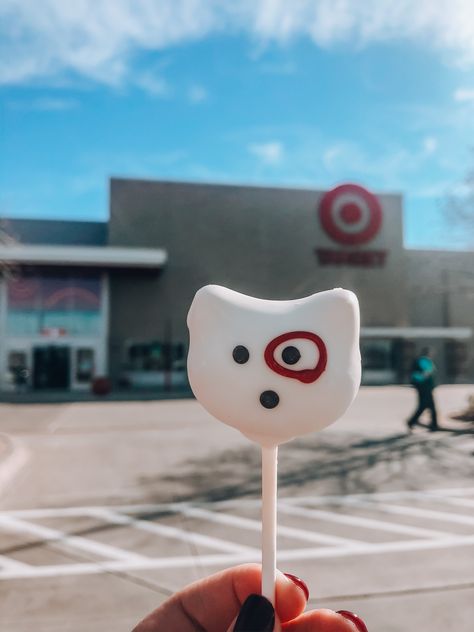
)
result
[(423, 374)]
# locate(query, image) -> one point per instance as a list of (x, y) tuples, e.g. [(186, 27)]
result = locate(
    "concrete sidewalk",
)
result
[(403, 561)]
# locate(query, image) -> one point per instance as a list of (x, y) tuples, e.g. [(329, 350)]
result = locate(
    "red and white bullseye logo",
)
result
[(350, 214)]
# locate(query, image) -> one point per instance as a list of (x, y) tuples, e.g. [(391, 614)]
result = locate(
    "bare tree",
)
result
[(459, 206), (6, 239)]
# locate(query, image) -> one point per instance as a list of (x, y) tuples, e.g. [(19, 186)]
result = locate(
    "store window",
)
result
[(376, 355), (456, 359), (17, 366), (84, 365), (378, 361), (156, 356), (51, 304)]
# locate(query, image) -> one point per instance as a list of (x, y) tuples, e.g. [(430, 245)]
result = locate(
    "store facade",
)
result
[(55, 328), (111, 299), (54, 302)]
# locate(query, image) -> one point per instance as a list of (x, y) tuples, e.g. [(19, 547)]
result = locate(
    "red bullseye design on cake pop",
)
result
[(303, 375), (350, 214)]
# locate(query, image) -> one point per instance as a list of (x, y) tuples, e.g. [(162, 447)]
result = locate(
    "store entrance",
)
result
[(51, 367)]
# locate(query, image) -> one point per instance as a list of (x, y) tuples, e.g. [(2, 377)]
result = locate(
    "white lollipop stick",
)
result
[(269, 520)]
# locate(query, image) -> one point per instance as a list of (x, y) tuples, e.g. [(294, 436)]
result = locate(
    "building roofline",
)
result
[(439, 251), (84, 256), (6, 219), (458, 333), (245, 185)]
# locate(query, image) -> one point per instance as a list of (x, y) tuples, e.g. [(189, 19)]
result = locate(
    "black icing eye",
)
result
[(269, 399), (240, 354), (290, 355)]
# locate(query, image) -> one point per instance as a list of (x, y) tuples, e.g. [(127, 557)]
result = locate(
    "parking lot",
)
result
[(376, 521)]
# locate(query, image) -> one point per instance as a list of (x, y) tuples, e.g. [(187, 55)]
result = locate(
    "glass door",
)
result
[(51, 367), (18, 369), (83, 367)]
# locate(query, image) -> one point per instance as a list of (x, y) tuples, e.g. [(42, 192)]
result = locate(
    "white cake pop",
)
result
[(274, 370)]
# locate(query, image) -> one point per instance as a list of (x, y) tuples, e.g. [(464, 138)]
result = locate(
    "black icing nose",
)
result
[(269, 399)]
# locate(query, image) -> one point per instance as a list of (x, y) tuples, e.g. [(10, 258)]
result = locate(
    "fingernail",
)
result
[(355, 619), (256, 615), (300, 583)]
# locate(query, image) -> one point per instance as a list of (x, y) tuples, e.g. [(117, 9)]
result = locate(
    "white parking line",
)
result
[(442, 493), (12, 565), (457, 502), (71, 542), (255, 525), (379, 548), (452, 491), (173, 532), (462, 492), (439, 496), (229, 552), (358, 521), (233, 558), (429, 514)]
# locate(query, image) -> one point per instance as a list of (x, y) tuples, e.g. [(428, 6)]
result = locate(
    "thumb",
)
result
[(256, 615)]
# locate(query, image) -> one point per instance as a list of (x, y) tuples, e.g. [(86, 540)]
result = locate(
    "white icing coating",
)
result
[(312, 392)]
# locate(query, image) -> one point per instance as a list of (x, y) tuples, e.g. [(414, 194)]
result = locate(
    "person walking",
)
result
[(423, 379)]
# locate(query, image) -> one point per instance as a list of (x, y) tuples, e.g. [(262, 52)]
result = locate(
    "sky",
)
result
[(307, 93)]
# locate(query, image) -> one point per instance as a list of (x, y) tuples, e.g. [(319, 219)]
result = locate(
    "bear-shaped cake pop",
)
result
[(274, 370)]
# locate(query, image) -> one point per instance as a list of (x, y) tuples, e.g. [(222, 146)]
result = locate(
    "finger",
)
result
[(257, 614), (320, 621), (212, 603), (232, 587)]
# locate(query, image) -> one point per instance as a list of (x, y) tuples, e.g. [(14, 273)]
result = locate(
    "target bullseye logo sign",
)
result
[(350, 214), (352, 217)]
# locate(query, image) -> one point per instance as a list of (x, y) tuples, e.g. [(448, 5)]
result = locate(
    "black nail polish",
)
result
[(256, 615)]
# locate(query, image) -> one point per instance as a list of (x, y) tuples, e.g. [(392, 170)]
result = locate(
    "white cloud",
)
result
[(464, 94), (270, 153), (332, 154), (153, 84), (390, 167), (45, 104), (98, 39), (92, 38), (197, 94), (430, 145)]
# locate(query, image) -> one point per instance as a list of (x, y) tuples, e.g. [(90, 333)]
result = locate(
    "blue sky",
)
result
[(307, 94)]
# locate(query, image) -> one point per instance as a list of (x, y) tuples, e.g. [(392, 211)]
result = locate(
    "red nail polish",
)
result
[(300, 583), (355, 619)]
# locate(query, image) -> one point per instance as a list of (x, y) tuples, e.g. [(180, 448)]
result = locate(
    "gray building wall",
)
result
[(440, 287), (260, 241), (440, 293)]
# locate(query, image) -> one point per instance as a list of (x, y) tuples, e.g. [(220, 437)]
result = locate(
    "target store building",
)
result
[(85, 299)]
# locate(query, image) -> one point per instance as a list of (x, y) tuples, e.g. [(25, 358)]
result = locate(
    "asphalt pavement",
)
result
[(107, 508)]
